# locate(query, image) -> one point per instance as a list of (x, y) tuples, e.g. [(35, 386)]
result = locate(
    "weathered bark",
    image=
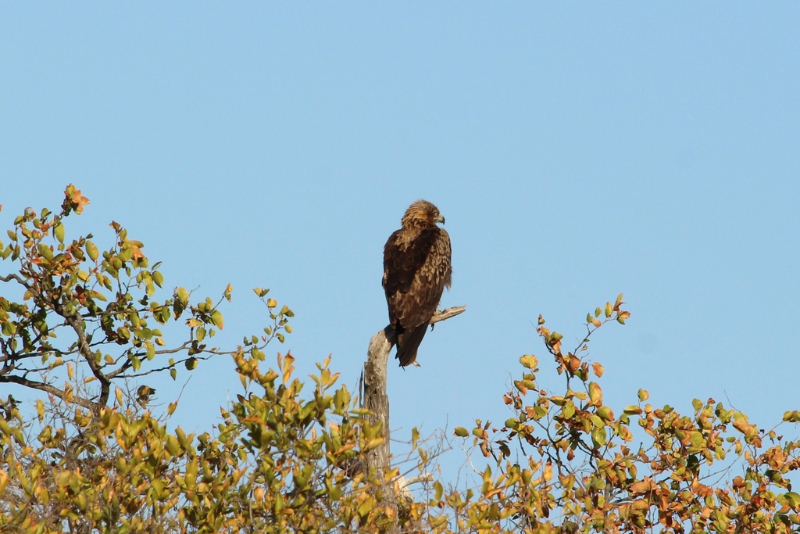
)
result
[(375, 399)]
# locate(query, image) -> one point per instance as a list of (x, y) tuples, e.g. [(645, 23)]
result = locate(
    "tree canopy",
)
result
[(81, 328)]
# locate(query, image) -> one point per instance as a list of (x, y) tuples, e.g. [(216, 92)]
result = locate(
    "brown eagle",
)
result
[(416, 269)]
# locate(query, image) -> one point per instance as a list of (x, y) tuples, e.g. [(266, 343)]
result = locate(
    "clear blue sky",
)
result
[(577, 151)]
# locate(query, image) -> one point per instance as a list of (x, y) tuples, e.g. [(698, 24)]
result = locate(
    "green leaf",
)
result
[(595, 394), (173, 446), (698, 442), (45, 251), (792, 499), (792, 416), (599, 436), (632, 410), (605, 413), (216, 318), (182, 295), (461, 432), (643, 395), (158, 278), (91, 250), (58, 231)]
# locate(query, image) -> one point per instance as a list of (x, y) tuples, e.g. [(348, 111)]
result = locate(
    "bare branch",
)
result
[(47, 388), (76, 322), (443, 315), (375, 398)]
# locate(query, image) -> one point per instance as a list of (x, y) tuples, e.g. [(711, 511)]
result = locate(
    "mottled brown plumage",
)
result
[(416, 269)]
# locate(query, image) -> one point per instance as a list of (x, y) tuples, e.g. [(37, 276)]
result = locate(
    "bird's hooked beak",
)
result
[(440, 219)]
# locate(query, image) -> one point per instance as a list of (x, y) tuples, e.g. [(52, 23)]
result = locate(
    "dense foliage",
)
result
[(82, 328)]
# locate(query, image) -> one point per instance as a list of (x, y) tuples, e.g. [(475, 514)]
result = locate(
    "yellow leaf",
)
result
[(548, 471), (595, 394), (371, 444), (529, 361), (598, 369)]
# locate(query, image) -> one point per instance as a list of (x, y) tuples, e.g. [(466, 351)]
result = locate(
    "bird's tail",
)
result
[(408, 342)]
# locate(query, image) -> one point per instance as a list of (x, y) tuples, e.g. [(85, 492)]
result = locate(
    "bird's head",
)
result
[(422, 213)]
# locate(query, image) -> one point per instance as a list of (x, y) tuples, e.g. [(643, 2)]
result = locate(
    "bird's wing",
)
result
[(415, 272)]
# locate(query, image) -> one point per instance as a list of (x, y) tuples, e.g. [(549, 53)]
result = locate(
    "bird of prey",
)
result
[(416, 269)]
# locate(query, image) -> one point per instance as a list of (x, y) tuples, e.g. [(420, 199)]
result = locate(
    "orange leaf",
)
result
[(76, 198), (642, 486), (574, 363), (744, 427)]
